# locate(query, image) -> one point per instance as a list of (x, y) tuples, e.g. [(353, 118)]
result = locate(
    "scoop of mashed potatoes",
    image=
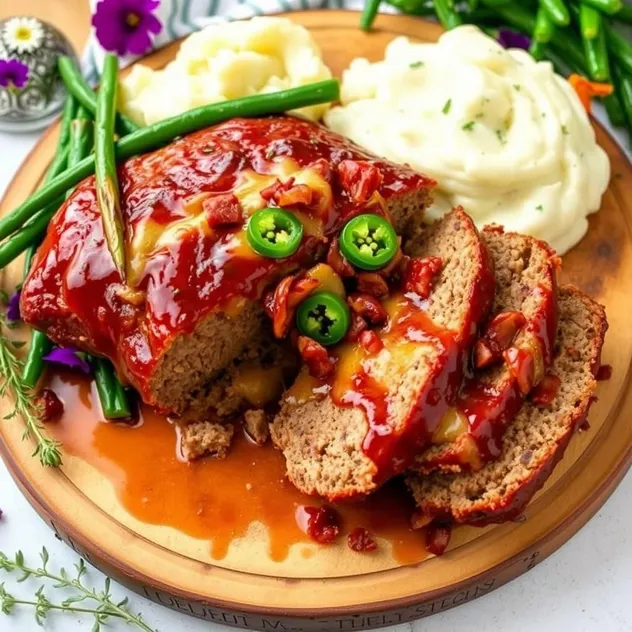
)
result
[(226, 61), (502, 134)]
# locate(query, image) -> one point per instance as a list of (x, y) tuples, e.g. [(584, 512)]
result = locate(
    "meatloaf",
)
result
[(524, 320), (537, 438), (380, 411), (190, 303)]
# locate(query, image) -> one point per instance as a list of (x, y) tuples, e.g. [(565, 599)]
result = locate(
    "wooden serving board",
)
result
[(333, 588)]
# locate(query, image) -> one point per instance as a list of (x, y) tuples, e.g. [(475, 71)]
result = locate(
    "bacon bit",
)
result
[(360, 179), (522, 367), (298, 195), (604, 373), (419, 520), (322, 167), (371, 342), (361, 541), (368, 307), (373, 284), (587, 89), (438, 538), (52, 407), (420, 274), (338, 261), (284, 300), (322, 524), (276, 188), (498, 336), (222, 210), (316, 358), (545, 391), (358, 325)]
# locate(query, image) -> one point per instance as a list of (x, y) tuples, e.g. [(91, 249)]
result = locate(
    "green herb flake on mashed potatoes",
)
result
[(504, 136), (226, 61)]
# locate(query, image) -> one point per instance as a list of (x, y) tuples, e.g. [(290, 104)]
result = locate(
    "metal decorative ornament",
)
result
[(31, 92)]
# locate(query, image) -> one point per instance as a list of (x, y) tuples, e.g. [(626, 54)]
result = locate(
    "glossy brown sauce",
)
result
[(214, 499)]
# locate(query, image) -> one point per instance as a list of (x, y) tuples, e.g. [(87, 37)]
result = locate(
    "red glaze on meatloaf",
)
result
[(185, 207)]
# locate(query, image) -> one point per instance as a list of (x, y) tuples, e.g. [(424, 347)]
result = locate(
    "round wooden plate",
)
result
[(336, 589)]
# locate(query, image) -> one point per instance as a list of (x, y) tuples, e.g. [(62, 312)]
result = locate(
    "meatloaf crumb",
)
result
[(204, 438), (257, 425)]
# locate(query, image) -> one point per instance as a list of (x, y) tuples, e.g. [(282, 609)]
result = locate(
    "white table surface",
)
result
[(585, 586)]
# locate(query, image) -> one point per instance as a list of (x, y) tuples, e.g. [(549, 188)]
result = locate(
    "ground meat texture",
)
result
[(525, 271), (191, 303), (536, 440), (204, 438), (323, 442)]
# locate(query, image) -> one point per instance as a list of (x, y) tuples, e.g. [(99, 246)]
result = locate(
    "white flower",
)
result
[(23, 34)]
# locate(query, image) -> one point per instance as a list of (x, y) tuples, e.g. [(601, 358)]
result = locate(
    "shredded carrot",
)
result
[(587, 89)]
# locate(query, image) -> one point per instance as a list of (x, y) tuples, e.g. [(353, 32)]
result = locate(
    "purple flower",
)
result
[(13, 73), (511, 39), (68, 357), (13, 307), (124, 26)]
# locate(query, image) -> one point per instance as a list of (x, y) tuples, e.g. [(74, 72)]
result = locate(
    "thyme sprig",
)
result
[(84, 600), (25, 403)]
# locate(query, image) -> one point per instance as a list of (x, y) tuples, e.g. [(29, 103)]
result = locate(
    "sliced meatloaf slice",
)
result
[(191, 300), (537, 438), (524, 318), (339, 443)]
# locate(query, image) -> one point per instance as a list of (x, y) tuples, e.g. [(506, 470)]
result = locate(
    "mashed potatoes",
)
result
[(226, 61), (502, 134)]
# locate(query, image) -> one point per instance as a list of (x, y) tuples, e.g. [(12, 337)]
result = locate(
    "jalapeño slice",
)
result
[(274, 233), (368, 241), (324, 317)]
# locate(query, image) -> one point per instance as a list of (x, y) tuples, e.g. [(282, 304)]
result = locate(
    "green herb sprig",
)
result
[(26, 405), (84, 600)]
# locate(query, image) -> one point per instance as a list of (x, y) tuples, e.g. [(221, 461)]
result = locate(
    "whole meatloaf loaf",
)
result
[(190, 304), (380, 410)]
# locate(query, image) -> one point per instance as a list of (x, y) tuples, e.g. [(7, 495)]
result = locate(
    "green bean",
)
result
[(605, 6), (81, 137), (614, 108), (28, 259), (537, 50), (76, 85), (558, 11), (31, 233), (544, 27), (157, 135), (114, 401), (67, 115), (34, 363), (448, 17), (589, 21), (564, 43), (619, 48), (623, 87), (492, 4), (369, 12), (105, 165), (624, 14), (596, 53), (413, 7)]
